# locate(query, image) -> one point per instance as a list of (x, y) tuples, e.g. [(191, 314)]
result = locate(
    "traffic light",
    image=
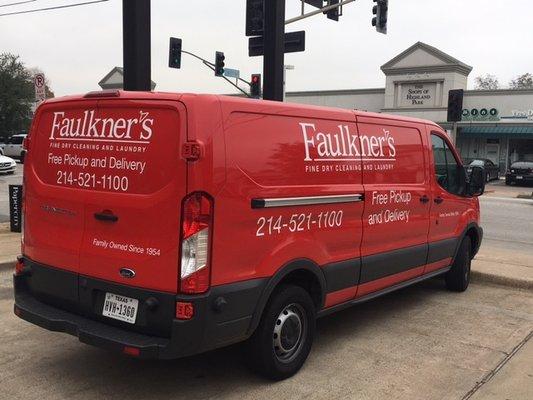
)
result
[(219, 63), (174, 53), (455, 105), (331, 14), (255, 17), (255, 86), (380, 10)]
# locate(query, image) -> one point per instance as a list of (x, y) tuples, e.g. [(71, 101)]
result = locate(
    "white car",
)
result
[(13, 147), (7, 165)]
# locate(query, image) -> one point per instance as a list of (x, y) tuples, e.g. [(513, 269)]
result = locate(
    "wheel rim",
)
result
[(289, 333)]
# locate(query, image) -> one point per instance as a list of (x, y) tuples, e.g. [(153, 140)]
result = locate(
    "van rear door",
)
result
[(133, 186), (54, 204)]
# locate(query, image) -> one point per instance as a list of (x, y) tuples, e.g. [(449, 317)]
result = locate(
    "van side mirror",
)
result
[(476, 182)]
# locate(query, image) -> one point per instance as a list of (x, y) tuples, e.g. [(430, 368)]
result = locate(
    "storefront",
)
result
[(497, 124)]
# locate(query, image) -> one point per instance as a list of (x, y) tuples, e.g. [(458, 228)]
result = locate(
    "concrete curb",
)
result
[(485, 277)]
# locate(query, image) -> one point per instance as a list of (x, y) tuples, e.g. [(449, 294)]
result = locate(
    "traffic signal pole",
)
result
[(274, 49), (136, 45)]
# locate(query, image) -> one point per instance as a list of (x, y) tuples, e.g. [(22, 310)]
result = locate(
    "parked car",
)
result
[(14, 147), (520, 172), (492, 171), (184, 223), (7, 165)]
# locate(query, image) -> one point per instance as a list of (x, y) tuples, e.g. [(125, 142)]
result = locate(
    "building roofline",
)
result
[(337, 92), (447, 59), (497, 92), (471, 92)]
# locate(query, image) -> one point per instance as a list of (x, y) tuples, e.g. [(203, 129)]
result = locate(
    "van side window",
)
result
[(447, 169)]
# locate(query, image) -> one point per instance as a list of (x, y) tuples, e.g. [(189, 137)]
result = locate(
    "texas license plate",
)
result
[(519, 177), (120, 307)]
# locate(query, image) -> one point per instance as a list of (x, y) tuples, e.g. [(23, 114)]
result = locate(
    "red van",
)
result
[(164, 225)]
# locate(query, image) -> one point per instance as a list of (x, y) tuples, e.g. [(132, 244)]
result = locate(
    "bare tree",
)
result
[(524, 81), (487, 82)]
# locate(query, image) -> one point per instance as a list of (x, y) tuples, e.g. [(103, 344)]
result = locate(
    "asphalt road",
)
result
[(507, 223), (422, 342)]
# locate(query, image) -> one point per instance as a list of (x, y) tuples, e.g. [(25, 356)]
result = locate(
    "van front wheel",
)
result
[(282, 341), (458, 277)]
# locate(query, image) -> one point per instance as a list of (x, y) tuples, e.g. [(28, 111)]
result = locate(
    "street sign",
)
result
[(294, 42), (15, 208), (232, 73), (40, 88)]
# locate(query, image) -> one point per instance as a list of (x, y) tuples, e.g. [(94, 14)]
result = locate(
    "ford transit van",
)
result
[(165, 225)]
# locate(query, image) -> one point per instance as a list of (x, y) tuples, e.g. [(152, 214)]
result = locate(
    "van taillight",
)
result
[(196, 231)]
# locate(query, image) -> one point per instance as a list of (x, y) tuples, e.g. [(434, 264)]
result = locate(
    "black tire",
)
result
[(262, 354), (22, 156), (458, 277)]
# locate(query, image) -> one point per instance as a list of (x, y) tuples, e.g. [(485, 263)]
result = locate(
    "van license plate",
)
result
[(120, 307), (519, 177)]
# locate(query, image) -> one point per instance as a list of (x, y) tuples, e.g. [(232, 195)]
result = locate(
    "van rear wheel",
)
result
[(282, 341), (458, 277)]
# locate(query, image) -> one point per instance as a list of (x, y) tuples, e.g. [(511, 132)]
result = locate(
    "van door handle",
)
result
[(106, 215), (438, 200), (424, 199)]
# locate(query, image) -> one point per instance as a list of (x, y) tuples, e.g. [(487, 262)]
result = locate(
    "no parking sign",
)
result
[(40, 88)]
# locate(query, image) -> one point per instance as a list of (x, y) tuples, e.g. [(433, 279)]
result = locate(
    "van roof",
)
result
[(144, 95)]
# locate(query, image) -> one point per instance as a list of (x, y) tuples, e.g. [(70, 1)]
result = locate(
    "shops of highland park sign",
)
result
[(418, 94)]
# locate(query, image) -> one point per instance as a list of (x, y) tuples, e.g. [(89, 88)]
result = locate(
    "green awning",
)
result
[(499, 130)]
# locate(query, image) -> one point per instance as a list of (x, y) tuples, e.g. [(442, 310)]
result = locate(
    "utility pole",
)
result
[(136, 45), (274, 49)]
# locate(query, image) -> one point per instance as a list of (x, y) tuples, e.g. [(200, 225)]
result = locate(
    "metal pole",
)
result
[(274, 50), (454, 134), (136, 45)]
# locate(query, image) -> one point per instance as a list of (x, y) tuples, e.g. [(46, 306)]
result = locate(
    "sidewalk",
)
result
[(9, 246), (511, 379), (503, 267)]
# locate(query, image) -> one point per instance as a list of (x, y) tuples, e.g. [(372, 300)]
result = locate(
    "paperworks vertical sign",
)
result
[(40, 91)]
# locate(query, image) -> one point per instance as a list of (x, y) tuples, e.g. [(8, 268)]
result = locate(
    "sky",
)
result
[(76, 47)]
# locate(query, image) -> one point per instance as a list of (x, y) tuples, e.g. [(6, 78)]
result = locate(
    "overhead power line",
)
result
[(53, 8), (17, 3)]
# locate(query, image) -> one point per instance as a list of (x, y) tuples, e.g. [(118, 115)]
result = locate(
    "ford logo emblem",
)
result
[(127, 273)]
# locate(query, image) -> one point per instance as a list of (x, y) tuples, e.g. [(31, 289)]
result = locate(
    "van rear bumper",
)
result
[(215, 323)]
